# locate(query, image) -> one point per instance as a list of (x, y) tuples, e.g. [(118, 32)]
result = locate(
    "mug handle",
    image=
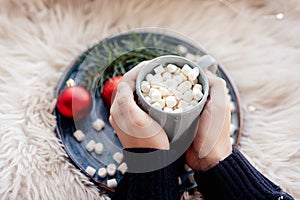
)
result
[(208, 62)]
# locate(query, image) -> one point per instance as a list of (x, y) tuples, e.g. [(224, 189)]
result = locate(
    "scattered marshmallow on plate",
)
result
[(112, 183), (79, 135), (102, 172), (90, 170), (98, 124), (118, 157), (111, 169), (123, 168), (98, 147), (90, 145)]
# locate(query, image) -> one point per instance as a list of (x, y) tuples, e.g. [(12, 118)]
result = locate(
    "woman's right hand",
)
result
[(212, 141)]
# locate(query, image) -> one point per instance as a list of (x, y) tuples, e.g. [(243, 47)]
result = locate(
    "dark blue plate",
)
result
[(114, 56)]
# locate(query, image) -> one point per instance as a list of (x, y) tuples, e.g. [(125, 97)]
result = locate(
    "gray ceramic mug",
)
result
[(181, 123)]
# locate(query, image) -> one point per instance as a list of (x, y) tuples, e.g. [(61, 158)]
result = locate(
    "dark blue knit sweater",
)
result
[(234, 178)]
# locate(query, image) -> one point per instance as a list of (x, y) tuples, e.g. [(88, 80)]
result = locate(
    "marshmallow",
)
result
[(154, 94), (159, 70), (184, 86), (112, 183), (145, 86), (102, 172), (111, 169), (153, 91), (149, 77), (123, 168), (193, 74), (171, 101), (186, 69), (198, 87), (118, 157), (90, 145), (98, 124), (90, 170), (171, 68), (197, 94), (165, 92), (79, 135), (98, 148)]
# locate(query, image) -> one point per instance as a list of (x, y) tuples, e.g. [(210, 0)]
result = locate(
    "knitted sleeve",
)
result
[(235, 178), (160, 184)]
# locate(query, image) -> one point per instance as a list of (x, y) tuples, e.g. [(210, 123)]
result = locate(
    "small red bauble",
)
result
[(74, 102), (108, 89)]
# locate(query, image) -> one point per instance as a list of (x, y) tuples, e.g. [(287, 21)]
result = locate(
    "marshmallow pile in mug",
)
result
[(172, 89)]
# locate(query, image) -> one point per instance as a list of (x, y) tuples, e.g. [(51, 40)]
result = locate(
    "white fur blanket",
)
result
[(39, 38)]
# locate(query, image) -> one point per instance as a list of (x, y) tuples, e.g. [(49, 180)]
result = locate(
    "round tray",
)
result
[(114, 56)]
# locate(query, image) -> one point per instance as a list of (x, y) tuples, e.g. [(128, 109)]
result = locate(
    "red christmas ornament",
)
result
[(74, 101), (108, 89)]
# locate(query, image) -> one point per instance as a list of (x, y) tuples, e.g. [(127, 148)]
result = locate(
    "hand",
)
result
[(212, 141), (134, 127)]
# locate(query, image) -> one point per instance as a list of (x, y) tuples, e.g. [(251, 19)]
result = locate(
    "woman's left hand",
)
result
[(134, 127)]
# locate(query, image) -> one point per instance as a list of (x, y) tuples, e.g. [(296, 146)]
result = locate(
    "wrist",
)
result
[(212, 159)]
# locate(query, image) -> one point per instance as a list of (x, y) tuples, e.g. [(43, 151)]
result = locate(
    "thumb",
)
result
[(124, 96), (128, 107)]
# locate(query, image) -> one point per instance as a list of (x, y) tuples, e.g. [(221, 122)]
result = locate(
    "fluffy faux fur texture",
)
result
[(39, 39)]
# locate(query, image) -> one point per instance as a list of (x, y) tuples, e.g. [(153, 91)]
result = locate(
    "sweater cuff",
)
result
[(235, 178)]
